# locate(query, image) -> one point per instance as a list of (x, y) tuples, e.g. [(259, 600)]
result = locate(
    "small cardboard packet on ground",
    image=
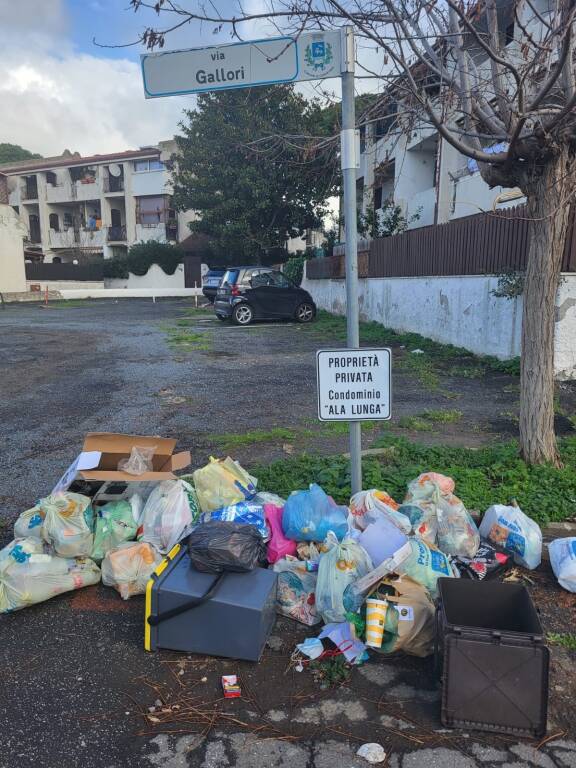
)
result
[(231, 687)]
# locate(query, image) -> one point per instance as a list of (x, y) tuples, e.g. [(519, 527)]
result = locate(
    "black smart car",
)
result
[(260, 293)]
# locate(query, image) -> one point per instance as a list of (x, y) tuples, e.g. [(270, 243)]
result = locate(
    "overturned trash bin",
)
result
[(227, 614), (494, 658)]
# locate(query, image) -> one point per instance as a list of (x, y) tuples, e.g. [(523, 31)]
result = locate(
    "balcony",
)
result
[(60, 193), (116, 234), (87, 189), (77, 238), (113, 184), (30, 192)]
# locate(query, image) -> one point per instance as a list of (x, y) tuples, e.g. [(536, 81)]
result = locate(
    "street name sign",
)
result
[(311, 56), (354, 384)]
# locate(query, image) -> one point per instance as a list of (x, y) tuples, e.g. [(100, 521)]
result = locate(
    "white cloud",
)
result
[(54, 98)]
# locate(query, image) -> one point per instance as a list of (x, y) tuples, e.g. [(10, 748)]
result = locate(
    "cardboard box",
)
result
[(98, 461)]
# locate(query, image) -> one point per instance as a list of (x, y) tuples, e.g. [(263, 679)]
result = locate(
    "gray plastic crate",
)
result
[(235, 622)]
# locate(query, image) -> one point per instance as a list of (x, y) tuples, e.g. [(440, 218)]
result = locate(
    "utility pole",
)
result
[(348, 163)]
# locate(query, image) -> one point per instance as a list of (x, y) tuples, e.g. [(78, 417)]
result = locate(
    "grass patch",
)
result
[(442, 417), (182, 338), (230, 440), (467, 371), (488, 475), (415, 423), (566, 640), (68, 303)]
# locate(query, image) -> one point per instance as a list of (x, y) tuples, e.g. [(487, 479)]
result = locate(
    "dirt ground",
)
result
[(77, 684)]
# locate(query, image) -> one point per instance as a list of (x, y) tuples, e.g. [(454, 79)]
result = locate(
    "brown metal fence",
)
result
[(484, 244)]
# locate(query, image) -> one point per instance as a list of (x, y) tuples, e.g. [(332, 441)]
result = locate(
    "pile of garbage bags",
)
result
[(368, 570)]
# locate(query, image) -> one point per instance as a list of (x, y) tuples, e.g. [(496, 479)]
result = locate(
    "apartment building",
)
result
[(407, 161), (77, 209)]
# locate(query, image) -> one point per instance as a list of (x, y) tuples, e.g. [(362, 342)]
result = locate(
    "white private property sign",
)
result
[(354, 384), (311, 56)]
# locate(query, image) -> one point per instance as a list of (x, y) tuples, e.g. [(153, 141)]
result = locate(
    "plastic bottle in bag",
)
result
[(341, 565)]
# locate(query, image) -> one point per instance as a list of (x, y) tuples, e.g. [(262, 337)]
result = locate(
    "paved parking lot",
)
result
[(75, 677)]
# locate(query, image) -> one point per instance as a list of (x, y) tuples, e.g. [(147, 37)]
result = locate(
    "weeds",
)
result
[(227, 441), (489, 475), (566, 640), (443, 417), (415, 423)]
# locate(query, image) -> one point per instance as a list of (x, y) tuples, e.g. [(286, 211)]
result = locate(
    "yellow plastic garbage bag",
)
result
[(221, 483), (68, 524), (30, 575), (129, 567)]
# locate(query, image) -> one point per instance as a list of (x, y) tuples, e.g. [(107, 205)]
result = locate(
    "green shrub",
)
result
[(140, 258)]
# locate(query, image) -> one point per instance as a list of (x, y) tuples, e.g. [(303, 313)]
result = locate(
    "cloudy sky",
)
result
[(59, 90)]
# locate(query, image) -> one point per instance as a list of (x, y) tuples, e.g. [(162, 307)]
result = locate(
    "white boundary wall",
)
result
[(454, 310), (154, 278)]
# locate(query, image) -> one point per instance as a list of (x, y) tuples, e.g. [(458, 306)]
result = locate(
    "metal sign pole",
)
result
[(348, 162)]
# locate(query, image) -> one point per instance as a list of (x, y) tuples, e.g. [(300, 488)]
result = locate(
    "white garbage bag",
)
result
[(128, 568), (509, 528), (167, 517), (368, 506), (29, 523), (68, 524), (563, 561), (28, 574)]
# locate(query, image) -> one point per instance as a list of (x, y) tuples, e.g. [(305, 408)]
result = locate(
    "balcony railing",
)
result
[(117, 234), (30, 193), (113, 184)]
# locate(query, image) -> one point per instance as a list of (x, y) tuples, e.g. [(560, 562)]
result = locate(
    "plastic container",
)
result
[(495, 661), (229, 615)]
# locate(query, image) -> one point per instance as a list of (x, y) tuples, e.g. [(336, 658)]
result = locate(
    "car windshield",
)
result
[(230, 277)]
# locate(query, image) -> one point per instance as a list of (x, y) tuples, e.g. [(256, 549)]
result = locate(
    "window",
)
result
[(68, 221), (280, 280), (377, 198), (151, 211), (54, 223), (509, 34), (143, 166)]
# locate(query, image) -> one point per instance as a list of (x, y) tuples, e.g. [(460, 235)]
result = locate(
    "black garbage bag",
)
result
[(217, 546)]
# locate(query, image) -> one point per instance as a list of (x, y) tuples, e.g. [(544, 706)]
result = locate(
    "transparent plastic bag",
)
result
[(167, 517), (278, 545), (68, 524), (114, 525), (367, 506), (129, 566), (29, 523), (296, 596), (456, 532), (221, 483), (244, 512), (340, 566), (309, 515), (510, 529), (29, 574), (563, 561), (426, 566), (139, 461)]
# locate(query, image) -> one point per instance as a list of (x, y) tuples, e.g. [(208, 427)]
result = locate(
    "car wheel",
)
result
[(242, 314), (305, 312)]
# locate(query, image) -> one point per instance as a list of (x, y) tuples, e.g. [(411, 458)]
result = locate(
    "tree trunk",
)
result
[(548, 205)]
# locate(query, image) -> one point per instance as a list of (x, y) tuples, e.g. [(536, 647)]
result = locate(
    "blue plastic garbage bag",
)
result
[(309, 515)]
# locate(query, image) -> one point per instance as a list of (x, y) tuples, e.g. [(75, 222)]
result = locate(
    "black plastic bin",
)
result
[(490, 643)]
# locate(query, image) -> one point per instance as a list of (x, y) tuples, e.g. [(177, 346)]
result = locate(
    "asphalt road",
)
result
[(75, 677)]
